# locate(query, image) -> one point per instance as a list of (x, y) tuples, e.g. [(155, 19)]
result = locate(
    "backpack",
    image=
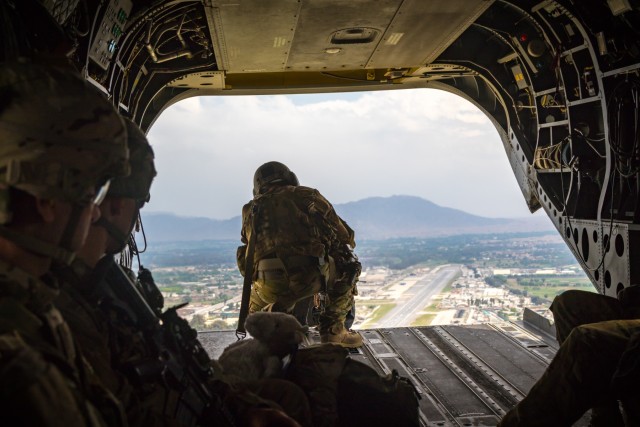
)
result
[(285, 224), (344, 392), (367, 399)]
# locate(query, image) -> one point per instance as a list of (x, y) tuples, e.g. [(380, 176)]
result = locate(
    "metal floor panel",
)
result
[(462, 399), (491, 350), (388, 359)]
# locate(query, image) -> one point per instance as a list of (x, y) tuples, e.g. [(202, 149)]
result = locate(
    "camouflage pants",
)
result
[(580, 374), (341, 300), (575, 308), (279, 289)]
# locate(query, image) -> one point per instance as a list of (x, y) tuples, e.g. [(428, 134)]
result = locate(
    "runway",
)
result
[(414, 299)]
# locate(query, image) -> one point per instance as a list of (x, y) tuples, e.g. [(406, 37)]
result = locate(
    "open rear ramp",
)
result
[(466, 375)]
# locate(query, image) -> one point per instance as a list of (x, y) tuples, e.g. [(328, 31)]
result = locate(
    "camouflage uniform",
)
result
[(106, 332), (107, 328), (142, 362), (60, 142), (296, 230), (594, 331), (342, 289), (574, 308), (42, 373)]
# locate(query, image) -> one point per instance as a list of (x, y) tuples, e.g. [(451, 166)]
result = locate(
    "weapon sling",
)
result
[(241, 332)]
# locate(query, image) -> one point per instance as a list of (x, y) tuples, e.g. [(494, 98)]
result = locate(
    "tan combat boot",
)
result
[(340, 335)]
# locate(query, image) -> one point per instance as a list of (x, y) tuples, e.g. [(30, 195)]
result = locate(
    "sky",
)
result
[(419, 142)]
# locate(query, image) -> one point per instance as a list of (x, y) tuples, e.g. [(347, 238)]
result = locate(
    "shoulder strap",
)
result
[(241, 332)]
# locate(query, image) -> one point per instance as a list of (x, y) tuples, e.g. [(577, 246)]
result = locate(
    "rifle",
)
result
[(179, 360)]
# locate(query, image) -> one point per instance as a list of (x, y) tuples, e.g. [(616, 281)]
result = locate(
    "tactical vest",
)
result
[(161, 357), (285, 225)]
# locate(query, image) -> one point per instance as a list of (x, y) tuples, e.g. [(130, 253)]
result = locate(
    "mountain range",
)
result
[(373, 218)]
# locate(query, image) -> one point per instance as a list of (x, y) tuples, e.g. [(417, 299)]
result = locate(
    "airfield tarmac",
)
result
[(411, 296)]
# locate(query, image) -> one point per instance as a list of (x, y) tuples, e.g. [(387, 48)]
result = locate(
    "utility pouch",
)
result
[(320, 302), (271, 269)]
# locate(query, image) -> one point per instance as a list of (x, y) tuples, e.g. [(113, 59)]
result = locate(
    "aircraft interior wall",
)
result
[(559, 79)]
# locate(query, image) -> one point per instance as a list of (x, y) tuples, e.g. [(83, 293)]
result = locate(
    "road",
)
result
[(409, 304), (414, 299)]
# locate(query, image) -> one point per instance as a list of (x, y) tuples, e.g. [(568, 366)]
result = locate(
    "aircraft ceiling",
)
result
[(559, 79)]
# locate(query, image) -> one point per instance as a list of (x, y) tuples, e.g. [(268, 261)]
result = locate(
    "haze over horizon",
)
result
[(148, 211), (376, 218), (424, 142)]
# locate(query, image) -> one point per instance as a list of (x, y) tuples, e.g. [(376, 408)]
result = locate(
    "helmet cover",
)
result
[(60, 136), (273, 172), (137, 184)]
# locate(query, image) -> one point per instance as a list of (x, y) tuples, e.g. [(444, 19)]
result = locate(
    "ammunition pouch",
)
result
[(273, 268), (270, 269)]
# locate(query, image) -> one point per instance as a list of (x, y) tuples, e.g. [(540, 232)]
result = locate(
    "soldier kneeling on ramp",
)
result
[(289, 233)]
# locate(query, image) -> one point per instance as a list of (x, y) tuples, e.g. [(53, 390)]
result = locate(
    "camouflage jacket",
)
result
[(291, 221), (157, 368), (107, 333), (45, 381)]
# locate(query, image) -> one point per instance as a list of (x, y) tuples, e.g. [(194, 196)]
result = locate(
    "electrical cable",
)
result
[(144, 235), (615, 108), (616, 152), (76, 30), (588, 141), (131, 249), (120, 75), (568, 218)]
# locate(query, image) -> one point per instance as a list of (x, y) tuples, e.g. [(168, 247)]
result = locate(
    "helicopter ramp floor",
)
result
[(466, 375)]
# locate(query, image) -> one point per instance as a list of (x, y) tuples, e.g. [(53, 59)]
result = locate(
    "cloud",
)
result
[(189, 106), (423, 142)]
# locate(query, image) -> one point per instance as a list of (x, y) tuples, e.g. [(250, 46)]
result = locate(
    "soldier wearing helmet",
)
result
[(61, 145), (93, 311), (292, 232), (107, 324), (113, 331)]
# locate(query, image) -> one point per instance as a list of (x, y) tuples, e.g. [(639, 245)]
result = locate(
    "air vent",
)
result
[(356, 35)]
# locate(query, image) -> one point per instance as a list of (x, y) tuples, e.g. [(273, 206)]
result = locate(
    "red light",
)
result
[(523, 37)]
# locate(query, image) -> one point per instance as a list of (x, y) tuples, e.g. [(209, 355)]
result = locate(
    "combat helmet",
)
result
[(273, 172), (59, 139), (137, 184), (141, 158)]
